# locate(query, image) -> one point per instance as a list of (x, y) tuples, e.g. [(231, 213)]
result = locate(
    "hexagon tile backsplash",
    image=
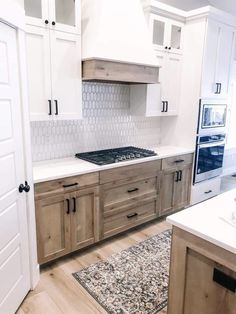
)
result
[(106, 123)]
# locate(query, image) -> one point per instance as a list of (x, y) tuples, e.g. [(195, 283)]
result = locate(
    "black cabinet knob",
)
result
[(166, 47), (53, 23), (46, 21), (24, 188), (169, 48)]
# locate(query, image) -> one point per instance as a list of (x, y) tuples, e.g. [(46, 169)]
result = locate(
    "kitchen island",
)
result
[(203, 258)]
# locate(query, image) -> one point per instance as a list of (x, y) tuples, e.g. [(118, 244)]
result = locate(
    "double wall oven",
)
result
[(210, 142)]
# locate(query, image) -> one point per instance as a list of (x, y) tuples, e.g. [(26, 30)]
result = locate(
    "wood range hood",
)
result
[(116, 43)]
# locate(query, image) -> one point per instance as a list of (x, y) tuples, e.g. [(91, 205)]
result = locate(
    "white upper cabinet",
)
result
[(217, 60), (167, 34), (61, 15)]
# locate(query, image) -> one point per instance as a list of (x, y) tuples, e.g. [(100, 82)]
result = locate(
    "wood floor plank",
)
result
[(58, 292)]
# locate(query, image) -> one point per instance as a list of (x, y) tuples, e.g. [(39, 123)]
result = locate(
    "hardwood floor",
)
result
[(58, 292)]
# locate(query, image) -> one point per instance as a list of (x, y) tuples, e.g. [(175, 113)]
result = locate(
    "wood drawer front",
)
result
[(118, 195), (143, 169), (122, 221), (177, 161), (65, 185)]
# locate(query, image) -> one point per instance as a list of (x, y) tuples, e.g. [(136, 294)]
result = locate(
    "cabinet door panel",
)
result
[(66, 75), (210, 59), (53, 228), (225, 56), (167, 191), (39, 68), (172, 82), (83, 219), (181, 197), (37, 12), (160, 32), (65, 15)]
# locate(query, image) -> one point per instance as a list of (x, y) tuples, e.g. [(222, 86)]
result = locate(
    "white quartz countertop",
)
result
[(211, 220), (67, 167)]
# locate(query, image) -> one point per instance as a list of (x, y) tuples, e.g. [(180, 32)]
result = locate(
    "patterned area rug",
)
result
[(132, 281)]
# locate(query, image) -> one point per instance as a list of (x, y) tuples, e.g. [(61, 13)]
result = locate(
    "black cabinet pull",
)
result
[(46, 22), (218, 88), (177, 176), (169, 48), (74, 207), (163, 106), (133, 190), (179, 161), (68, 206), (53, 23), (132, 215), (180, 175), (166, 47), (208, 192), (69, 185), (224, 280), (56, 104), (50, 107), (167, 105)]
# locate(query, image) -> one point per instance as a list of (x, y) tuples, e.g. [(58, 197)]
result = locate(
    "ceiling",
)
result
[(226, 5)]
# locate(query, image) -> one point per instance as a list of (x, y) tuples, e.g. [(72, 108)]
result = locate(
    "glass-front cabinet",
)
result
[(61, 15), (167, 34)]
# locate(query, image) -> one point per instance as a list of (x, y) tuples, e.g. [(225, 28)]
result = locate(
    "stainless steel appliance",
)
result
[(209, 156), (212, 117), (110, 156)]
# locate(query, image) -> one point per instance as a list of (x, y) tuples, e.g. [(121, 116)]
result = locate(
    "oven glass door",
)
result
[(213, 116), (210, 158)]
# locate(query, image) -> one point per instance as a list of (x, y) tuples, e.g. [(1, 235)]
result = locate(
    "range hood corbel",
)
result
[(116, 44)]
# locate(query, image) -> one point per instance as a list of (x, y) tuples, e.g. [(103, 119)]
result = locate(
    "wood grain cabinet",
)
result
[(68, 219), (129, 196), (176, 183), (202, 276)]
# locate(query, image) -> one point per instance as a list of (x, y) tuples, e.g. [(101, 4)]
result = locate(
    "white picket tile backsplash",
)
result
[(106, 123)]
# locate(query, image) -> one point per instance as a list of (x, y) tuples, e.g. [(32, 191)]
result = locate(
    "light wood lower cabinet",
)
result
[(176, 187), (66, 222), (78, 211), (202, 277)]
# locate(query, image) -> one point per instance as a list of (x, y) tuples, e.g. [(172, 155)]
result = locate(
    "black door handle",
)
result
[(180, 175), (74, 207), (68, 206), (46, 22), (179, 161), (50, 107), (177, 176), (208, 192), (24, 188), (163, 106), (219, 88), (53, 23), (56, 104), (167, 105)]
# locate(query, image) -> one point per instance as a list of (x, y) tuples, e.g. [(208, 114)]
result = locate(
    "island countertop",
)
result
[(210, 220), (67, 167)]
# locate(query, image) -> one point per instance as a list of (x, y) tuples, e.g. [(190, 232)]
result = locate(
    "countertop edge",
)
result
[(96, 168)]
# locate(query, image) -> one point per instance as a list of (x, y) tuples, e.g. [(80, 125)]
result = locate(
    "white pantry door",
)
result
[(14, 255)]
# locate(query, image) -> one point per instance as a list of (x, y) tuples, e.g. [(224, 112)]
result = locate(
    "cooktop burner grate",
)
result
[(110, 156)]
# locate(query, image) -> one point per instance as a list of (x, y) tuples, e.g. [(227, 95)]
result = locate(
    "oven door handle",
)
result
[(211, 144)]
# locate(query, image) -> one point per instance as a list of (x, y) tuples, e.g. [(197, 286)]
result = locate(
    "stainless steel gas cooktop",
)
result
[(110, 156)]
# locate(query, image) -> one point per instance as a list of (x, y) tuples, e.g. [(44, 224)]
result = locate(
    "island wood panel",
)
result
[(192, 263), (142, 169), (63, 185)]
